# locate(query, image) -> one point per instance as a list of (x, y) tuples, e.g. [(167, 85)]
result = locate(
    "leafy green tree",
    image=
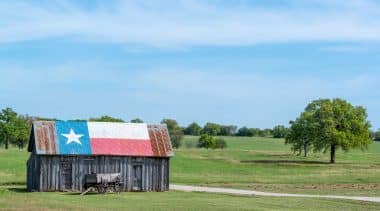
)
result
[(8, 119), (206, 141), (377, 135), (220, 143), (105, 118), (337, 124), (137, 120), (175, 131), (193, 129), (299, 134), (227, 130), (244, 131), (254, 131), (211, 129), (23, 125), (13, 128), (279, 131)]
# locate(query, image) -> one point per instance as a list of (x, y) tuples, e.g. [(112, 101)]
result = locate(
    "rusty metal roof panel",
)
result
[(160, 140), (45, 137)]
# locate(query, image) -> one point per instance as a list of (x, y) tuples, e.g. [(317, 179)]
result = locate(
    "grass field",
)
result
[(267, 164), (247, 163)]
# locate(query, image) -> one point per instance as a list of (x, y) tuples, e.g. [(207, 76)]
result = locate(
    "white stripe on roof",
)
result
[(118, 130)]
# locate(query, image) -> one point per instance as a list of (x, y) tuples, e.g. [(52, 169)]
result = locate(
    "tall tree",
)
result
[(227, 130), (299, 134), (193, 129), (244, 131), (175, 132), (337, 124), (105, 118), (23, 125), (13, 128), (211, 129), (279, 131)]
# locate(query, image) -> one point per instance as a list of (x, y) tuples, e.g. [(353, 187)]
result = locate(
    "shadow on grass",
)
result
[(91, 193), (284, 162), (12, 183), (18, 190)]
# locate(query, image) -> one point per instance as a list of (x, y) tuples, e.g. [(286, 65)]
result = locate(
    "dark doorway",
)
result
[(137, 178), (66, 175)]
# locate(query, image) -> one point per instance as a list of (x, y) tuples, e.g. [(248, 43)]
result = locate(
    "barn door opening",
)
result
[(66, 175), (137, 178)]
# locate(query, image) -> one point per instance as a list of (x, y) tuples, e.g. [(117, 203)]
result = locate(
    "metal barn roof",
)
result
[(99, 138)]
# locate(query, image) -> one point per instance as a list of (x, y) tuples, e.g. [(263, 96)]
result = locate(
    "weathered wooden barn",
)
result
[(63, 152)]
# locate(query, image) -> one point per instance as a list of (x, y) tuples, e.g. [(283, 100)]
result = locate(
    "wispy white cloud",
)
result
[(186, 23)]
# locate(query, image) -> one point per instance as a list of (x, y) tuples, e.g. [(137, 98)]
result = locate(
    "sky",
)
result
[(251, 63)]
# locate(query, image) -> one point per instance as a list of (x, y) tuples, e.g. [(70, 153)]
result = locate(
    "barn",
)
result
[(63, 152)]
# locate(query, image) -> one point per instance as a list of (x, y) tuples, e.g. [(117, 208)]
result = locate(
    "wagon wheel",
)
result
[(102, 188), (117, 187)]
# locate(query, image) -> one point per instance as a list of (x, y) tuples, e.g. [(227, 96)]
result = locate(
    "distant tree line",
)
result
[(214, 129)]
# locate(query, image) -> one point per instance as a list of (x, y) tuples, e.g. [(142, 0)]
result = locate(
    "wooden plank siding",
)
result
[(44, 172)]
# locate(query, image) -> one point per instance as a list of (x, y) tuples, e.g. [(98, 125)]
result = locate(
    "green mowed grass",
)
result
[(267, 164), (14, 198), (248, 163)]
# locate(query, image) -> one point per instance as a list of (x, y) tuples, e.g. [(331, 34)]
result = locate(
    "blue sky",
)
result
[(253, 63)]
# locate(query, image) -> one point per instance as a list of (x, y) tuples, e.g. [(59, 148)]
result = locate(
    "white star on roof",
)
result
[(72, 137)]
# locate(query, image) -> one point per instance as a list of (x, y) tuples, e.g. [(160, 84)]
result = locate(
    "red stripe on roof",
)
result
[(111, 146)]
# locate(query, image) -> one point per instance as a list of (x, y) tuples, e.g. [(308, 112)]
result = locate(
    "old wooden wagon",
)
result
[(63, 152)]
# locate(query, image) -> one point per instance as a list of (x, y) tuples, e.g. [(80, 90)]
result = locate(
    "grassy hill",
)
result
[(247, 163)]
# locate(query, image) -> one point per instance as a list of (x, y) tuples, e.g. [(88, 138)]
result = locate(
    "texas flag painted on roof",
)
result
[(100, 138)]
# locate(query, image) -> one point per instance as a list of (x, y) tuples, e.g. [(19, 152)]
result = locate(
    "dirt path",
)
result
[(258, 193)]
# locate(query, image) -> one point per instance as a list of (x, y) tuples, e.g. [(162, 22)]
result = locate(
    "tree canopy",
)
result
[(211, 129), (207, 141), (227, 130), (193, 129), (175, 132), (331, 124), (299, 133), (13, 128), (105, 118), (279, 131)]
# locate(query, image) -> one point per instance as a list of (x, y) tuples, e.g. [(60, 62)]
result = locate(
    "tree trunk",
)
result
[(6, 142), (332, 153), (305, 149)]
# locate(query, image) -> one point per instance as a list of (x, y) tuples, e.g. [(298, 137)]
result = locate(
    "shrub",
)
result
[(206, 141), (220, 143)]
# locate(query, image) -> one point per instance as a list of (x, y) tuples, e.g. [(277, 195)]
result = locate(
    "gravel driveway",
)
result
[(258, 193)]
